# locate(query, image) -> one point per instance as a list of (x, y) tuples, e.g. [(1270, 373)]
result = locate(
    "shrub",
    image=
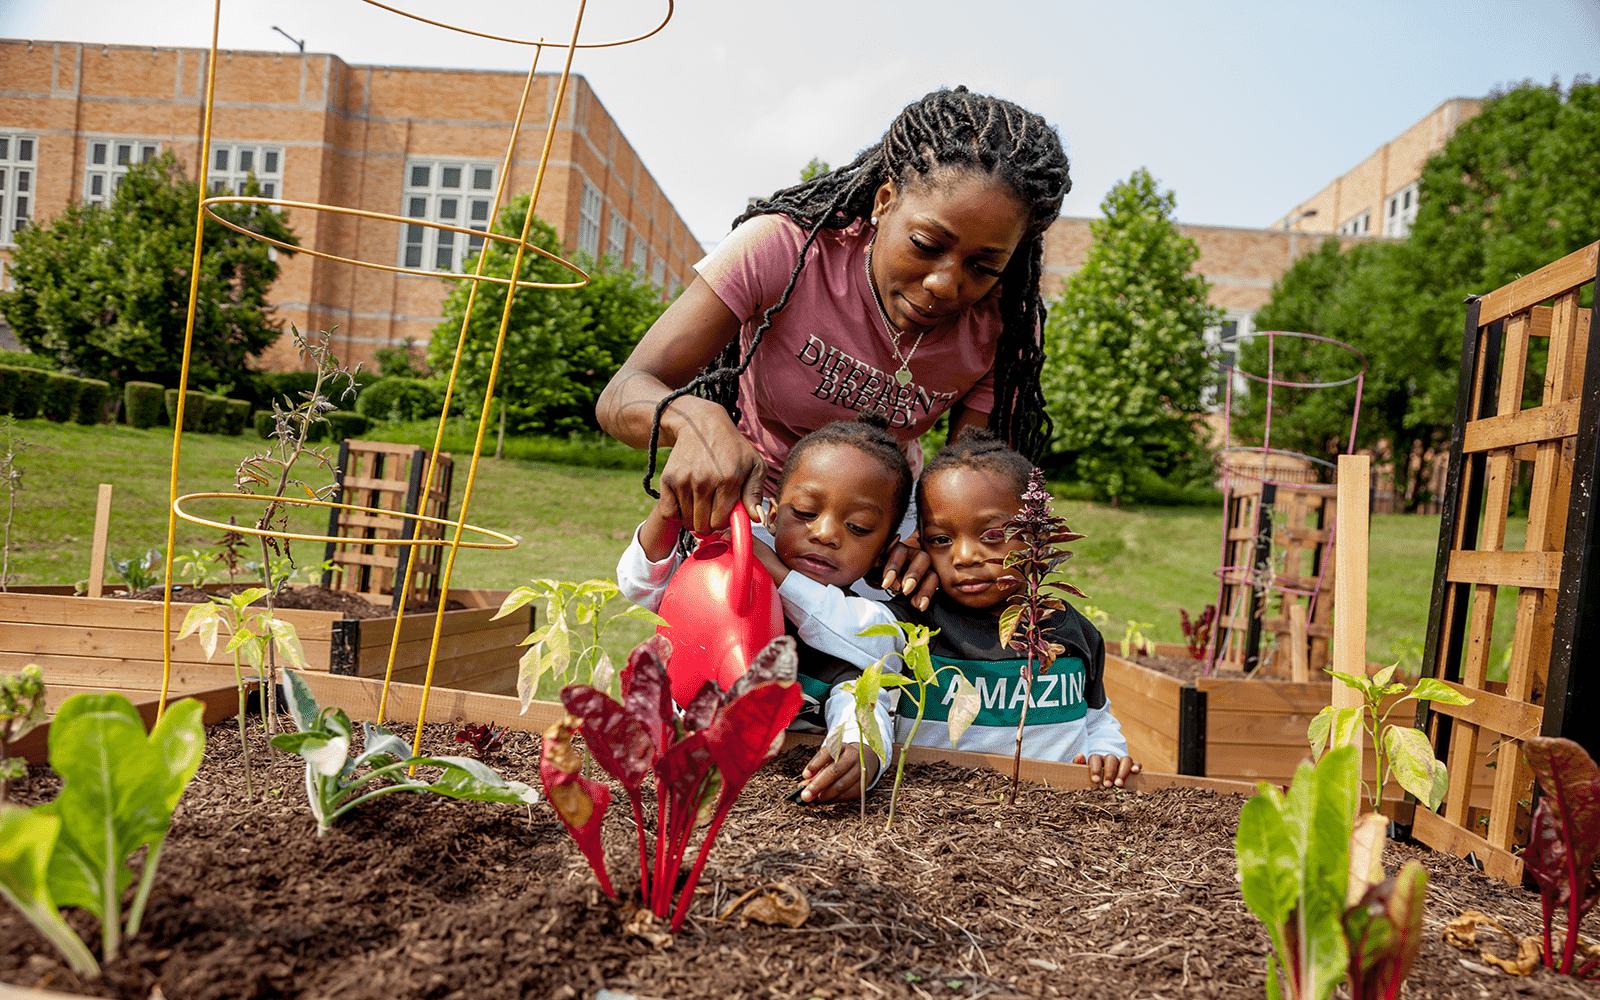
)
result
[(143, 402), (398, 398), (27, 359), (92, 397), (276, 385), (235, 414), (345, 424), (60, 400), (262, 422), (8, 386), (214, 414), (194, 409), (28, 391)]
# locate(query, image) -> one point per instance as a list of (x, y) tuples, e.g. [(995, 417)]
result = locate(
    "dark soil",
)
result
[(1077, 893), (344, 602), (1188, 669)]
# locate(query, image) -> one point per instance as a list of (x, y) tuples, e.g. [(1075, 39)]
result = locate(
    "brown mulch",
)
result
[(347, 603), (1078, 893), (1187, 669)]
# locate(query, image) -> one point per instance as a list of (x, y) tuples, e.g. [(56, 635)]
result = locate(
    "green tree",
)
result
[(1510, 192), (816, 168), (562, 345), (105, 291), (1125, 365)]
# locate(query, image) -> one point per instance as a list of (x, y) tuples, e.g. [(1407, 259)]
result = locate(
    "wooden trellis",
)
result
[(386, 476), (1550, 685), (1259, 585)]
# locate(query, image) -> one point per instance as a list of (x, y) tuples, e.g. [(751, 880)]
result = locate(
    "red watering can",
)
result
[(722, 609)]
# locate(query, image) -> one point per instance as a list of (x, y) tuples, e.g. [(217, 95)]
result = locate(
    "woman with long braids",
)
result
[(906, 282)]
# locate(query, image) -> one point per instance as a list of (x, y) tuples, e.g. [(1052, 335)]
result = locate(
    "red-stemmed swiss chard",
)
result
[(701, 759), (1564, 841)]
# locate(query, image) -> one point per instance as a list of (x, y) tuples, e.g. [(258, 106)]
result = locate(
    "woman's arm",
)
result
[(712, 466)]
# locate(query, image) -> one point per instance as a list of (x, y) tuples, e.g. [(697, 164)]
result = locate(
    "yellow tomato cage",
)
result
[(501, 541)]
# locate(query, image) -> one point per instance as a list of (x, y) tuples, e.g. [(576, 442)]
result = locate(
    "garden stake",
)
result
[(1350, 582), (97, 550)]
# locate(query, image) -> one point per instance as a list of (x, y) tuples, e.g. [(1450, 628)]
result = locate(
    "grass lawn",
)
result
[(1138, 563)]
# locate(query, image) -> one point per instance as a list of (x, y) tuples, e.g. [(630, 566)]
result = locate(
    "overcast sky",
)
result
[(1244, 109)]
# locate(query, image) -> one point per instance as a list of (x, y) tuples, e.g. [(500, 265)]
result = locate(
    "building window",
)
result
[(452, 192), (109, 160), (1358, 226), (640, 254), (617, 239), (589, 221), (18, 180), (658, 273), (231, 166), (1400, 211)]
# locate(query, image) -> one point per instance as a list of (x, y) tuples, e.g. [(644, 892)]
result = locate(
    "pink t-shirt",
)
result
[(827, 355)]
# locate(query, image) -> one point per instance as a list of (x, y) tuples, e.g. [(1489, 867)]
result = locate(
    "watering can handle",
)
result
[(743, 556)]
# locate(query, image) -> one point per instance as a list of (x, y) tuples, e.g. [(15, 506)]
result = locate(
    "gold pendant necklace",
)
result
[(903, 376)]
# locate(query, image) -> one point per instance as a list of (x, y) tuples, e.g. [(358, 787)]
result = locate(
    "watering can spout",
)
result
[(721, 608)]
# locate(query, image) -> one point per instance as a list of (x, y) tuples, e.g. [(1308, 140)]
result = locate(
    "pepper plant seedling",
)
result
[(120, 786), (1402, 752), (249, 635), (551, 651), (21, 709), (1022, 624), (701, 758), (332, 787), (914, 653), (1564, 842)]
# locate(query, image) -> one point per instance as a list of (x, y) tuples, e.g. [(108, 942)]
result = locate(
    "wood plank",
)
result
[(1539, 321), (114, 643), (51, 609), (1495, 713), (1542, 423), (1559, 276), (1350, 587), (97, 549), (221, 702), (416, 625), (1506, 569), (399, 486), (1450, 838), (119, 675), (1234, 694)]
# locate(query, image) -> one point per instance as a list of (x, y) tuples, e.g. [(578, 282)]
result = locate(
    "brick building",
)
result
[(418, 143), (1379, 195)]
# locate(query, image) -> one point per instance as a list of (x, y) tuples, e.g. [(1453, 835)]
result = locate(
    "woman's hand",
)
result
[(712, 467), (908, 571)]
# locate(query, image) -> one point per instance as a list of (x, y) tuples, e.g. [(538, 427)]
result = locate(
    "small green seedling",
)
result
[(140, 574), (249, 635), (1402, 752), (119, 789), (915, 643), (1133, 640), (552, 645), (191, 568), (332, 787), (21, 709)]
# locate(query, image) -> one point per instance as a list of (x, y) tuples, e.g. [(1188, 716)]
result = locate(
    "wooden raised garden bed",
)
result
[(1233, 728), (99, 644)]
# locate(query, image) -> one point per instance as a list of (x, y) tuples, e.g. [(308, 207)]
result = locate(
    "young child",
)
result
[(966, 495), (840, 499)]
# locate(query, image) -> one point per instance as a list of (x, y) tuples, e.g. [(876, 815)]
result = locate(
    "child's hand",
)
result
[(659, 533), (1108, 769), (827, 780), (909, 571)]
